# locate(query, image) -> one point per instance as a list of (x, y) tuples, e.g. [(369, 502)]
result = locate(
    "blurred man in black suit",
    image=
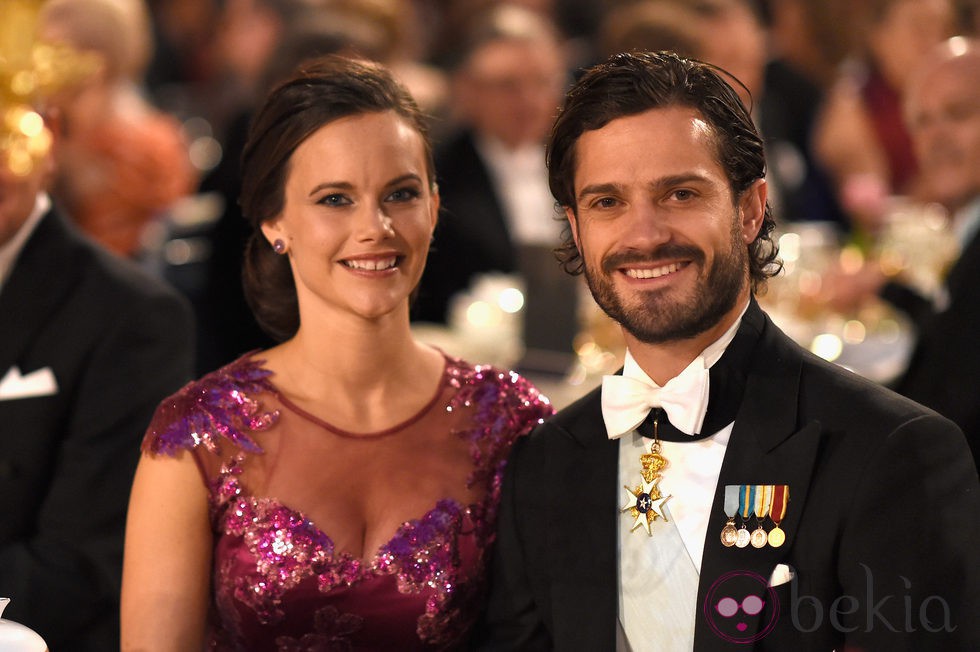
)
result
[(89, 345)]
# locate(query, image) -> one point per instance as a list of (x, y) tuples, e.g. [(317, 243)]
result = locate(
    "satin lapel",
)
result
[(37, 285), (767, 446), (582, 531)]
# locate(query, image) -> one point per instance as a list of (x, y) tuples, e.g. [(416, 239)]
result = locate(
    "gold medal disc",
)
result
[(729, 534), (776, 537)]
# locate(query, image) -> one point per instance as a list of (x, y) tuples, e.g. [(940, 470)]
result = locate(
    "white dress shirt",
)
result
[(12, 249), (966, 222), (520, 178), (659, 574)]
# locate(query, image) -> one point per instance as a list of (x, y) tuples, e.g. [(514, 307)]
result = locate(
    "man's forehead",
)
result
[(647, 138), (670, 119)]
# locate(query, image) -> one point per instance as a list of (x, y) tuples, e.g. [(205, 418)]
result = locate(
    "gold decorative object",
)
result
[(30, 72), (645, 503)]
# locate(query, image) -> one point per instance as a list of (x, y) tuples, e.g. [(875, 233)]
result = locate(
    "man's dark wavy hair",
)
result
[(631, 83)]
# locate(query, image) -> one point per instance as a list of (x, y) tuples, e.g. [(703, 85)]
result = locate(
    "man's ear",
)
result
[(572, 224), (752, 209)]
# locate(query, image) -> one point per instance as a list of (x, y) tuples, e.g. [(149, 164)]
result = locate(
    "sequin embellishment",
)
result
[(272, 551), (219, 405)]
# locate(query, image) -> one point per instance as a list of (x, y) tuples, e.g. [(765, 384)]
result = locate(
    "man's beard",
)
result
[(655, 318)]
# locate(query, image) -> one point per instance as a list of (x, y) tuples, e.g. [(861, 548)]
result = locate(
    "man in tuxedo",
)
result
[(508, 78), (89, 345), (943, 110), (728, 490)]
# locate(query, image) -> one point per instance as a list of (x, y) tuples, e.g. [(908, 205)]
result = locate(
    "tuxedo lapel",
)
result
[(583, 474), (767, 447), (962, 277), (35, 288)]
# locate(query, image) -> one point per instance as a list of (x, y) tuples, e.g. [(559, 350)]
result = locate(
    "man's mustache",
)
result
[(668, 251)]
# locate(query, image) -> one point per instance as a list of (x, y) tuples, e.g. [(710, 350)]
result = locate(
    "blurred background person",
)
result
[(943, 112), (812, 37), (181, 61), (89, 344), (276, 473), (497, 212), (942, 109), (122, 162), (649, 25), (805, 45), (861, 137), (393, 33), (576, 20)]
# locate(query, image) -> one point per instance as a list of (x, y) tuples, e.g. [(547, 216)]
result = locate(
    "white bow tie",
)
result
[(626, 401)]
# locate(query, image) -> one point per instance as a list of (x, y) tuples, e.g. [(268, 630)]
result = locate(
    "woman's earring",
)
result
[(279, 246)]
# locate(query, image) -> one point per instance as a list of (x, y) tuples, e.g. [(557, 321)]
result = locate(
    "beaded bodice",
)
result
[(279, 581)]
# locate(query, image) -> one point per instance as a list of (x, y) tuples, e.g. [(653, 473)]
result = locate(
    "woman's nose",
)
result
[(374, 224)]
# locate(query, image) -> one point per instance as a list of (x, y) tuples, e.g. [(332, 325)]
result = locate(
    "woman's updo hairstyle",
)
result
[(320, 91)]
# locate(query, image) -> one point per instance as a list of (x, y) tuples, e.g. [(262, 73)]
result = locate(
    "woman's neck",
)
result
[(366, 372)]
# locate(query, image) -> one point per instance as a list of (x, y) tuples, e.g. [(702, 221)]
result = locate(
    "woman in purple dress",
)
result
[(337, 491)]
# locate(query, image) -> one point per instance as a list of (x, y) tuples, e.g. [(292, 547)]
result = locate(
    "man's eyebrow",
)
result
[(679, 179), (662, 182), (597, 189)]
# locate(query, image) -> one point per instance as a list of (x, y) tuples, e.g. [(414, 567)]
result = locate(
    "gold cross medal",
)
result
[(645, 503)]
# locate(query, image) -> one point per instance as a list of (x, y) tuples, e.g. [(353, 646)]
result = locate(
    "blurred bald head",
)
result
[(943, 113)]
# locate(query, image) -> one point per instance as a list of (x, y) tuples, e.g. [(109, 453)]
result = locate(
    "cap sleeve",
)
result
[(224, 405), (507, 406)]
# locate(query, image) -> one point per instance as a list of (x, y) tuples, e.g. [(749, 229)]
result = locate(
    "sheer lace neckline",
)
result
[(398, 427), (251, 509)]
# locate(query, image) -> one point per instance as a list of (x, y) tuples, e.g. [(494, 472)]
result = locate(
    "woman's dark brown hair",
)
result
[(321, 91)]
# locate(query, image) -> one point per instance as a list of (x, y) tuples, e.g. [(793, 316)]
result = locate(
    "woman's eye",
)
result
[(403, 194)]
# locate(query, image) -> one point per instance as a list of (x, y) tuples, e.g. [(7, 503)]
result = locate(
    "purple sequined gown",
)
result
[(278, 581)]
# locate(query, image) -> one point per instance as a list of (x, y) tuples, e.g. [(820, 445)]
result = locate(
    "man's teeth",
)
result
[(372, 265), (652, 273)]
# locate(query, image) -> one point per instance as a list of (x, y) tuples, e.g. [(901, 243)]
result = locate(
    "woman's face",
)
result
[(909, 30), (358, 216)]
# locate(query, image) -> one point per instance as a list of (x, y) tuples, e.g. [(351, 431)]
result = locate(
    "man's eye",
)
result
[(604, 202), (334, 200), (683, 194)]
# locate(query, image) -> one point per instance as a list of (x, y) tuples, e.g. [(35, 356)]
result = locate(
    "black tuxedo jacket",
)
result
[(117, 342), (881, 525), (472, 235), (944, 370)]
